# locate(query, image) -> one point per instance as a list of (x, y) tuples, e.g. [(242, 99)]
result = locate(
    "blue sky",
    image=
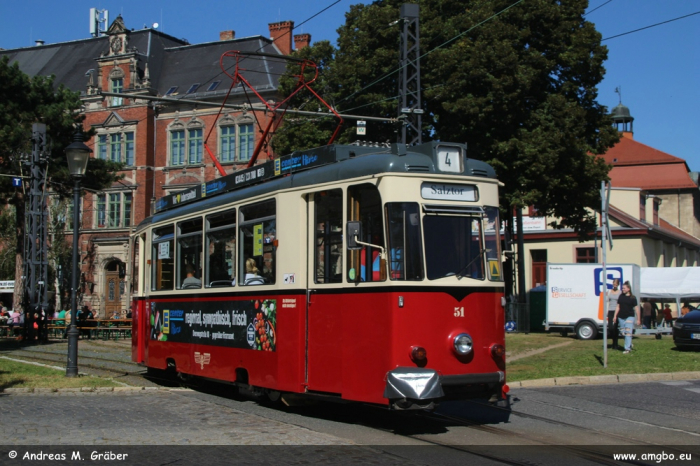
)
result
[(658, 69)]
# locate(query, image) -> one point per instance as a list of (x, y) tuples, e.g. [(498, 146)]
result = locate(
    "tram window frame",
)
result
[(189, 252), (442, 253), (328, 236), (492, 243), (404, 236), (221, 234), (258, 219), (161, 235), (364, 204)]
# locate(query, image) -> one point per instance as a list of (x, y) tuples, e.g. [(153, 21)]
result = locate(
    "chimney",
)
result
[(227, 35), (38, 42), (301, 41), (281, 35)]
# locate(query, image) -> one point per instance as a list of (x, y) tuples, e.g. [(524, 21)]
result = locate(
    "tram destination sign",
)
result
[(284, 165)]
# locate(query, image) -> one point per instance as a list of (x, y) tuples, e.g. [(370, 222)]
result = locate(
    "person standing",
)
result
[(646, 313), (668, 316), (613, 328), (627, 313)]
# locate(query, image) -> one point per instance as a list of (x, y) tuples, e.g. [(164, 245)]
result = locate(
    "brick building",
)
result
[(165, 125)]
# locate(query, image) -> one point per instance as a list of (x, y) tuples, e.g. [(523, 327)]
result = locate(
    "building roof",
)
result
[(70, 61), (171, 62), (200, 64), (636, 165)]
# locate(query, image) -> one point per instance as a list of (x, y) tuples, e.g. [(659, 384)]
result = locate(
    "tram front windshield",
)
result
[(454, 246)]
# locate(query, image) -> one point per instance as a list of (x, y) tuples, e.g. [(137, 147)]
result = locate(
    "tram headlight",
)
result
[(463, 344)]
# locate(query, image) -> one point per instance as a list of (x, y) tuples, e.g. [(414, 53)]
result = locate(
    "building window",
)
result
[(117, 147), (228, 144), (129, 149), (102, 147), (117, 86), (186, 145), (114, 210), (195, 146), (237, 143), (585, 256), (177, 147), (245, 141), (643, 207)]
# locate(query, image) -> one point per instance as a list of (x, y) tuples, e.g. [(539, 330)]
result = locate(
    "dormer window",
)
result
[(117, 87)]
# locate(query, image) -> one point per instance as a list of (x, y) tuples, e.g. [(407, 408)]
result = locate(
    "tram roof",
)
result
[(325, 164)]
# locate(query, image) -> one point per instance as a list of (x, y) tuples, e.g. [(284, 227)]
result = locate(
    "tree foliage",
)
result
[(301, 132), (7, 244), (514, 80), (25, 100)]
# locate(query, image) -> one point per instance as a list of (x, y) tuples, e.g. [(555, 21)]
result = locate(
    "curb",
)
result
[(535, 383), (605, 379), (10, 391)]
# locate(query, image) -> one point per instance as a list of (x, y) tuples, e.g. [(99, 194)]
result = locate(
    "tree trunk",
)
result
[(18, 298)]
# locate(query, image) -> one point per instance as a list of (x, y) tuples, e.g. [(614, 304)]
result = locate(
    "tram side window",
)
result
[(258, 244), (163, 259), (492, 243), (405, 254), (221, 244), (136, 245), (365, 206), (189, 254), (328, 255)]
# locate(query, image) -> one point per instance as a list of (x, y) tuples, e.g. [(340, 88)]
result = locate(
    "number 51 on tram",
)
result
[(345, 272)]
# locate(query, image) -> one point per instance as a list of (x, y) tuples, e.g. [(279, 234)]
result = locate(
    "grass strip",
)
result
[(585, 358), (14, 374)]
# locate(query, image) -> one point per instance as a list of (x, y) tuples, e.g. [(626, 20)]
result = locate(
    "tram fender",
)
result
[(413, 383)]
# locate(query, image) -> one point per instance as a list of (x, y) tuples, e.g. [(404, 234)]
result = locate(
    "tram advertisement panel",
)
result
[(235, 324)]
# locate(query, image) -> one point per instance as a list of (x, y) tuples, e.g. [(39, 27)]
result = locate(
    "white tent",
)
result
[(675, 283)]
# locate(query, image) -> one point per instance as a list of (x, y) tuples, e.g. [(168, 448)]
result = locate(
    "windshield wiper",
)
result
[(463, 269)]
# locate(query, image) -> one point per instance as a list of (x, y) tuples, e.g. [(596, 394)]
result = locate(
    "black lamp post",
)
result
[(78, 155)]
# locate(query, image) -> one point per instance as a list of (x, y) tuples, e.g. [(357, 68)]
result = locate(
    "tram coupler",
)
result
[(413, 388)]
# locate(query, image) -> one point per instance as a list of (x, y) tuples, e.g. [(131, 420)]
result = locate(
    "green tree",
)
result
[(7, 244), (515, 80), (302, 132), (25, 100)]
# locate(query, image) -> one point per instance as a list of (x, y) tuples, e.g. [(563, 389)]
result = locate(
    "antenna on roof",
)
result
[(98, 17)]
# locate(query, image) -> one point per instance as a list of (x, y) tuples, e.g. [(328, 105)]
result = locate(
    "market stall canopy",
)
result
[(670, 282)]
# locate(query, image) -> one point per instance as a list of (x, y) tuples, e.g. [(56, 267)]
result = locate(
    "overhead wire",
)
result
[(651, 26), (598, 7)]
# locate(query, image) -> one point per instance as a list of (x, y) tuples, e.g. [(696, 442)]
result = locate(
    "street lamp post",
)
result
[(78, 155)]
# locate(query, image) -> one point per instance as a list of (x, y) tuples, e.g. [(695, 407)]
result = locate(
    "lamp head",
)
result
[(77, 154)]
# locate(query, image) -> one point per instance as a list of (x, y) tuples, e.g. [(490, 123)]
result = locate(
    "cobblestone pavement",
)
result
[(154, 417), (163, 426)]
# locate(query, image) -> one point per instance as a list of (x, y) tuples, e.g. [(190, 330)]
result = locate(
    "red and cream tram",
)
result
[(356, 273)]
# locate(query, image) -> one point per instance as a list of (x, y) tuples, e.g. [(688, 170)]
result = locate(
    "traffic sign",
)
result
[(17, 182)]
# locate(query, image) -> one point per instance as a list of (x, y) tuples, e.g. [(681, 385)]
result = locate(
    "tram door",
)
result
[(324, 308)]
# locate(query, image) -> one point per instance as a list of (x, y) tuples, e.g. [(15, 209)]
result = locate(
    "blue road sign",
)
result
[(17, 182)]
